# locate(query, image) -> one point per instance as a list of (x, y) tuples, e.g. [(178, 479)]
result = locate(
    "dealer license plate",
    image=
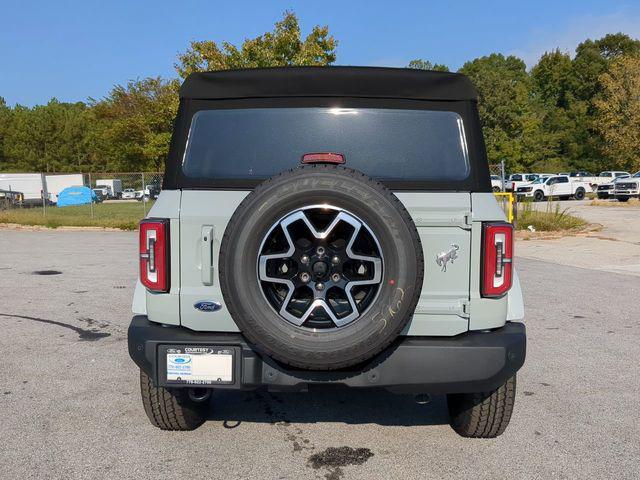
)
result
[(200, 365)]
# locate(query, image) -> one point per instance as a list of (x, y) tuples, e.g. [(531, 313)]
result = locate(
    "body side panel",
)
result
[(486, 313), (165, 307), (204, 208)]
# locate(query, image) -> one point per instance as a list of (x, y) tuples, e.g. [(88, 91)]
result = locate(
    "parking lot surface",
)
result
[(70, 404), (614, 247)]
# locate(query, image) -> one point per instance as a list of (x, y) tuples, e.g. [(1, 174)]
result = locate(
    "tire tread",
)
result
[(483, 414), (169, 408)]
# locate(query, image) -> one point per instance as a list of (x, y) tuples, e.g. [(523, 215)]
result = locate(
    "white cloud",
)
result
[(576, 31)]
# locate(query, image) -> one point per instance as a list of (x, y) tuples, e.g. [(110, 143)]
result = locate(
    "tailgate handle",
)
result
[(206, 250)]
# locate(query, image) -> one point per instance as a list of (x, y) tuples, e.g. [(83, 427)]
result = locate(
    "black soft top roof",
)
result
[(369, 82)]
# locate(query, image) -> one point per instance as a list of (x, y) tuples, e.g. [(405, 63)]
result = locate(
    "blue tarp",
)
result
[(76, 196)]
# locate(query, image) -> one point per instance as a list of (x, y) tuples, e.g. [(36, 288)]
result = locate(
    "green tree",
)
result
[(5, 119), (284, 46), (47, 138), (133, 125), (420, 64), (618, 112), (593, 58), (509, 123), (551, 79), (552, 98)]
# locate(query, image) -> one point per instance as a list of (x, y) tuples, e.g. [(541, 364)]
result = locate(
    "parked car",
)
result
[(627, 188), (496, 183), (614, 174), (305, 264), (557, 186), (128, 194), (104, 191), (606, 190), (581, 174), (593, 180), (100, 195), (150, 192), (516, 179)]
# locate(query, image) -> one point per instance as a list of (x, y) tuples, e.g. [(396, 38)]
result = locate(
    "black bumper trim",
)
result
[(470, 362)]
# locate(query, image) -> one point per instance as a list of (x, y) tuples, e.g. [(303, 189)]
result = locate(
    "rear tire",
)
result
[(483, 414), (579, 195), (170, 408)]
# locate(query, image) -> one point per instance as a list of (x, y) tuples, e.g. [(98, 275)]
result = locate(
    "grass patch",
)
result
[(553, 219), (123, 215), (632, 202)]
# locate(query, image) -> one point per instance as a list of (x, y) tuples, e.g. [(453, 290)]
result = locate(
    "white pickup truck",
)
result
[(607, 190), (557, 186), (627, 188), (595, 181), (516, 180)]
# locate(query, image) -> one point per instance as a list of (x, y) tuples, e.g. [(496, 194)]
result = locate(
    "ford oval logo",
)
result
[(207, 306), (182, 360)]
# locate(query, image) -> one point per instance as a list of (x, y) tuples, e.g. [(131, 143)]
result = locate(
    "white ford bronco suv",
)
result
[(328, 226)]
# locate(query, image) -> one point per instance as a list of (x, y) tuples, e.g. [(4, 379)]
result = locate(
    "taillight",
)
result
[(497, 251), (154, 254)]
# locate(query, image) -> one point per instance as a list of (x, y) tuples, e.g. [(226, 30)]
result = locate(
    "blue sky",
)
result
[(74, 50)]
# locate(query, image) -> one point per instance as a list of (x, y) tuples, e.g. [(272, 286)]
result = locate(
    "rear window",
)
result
[(389, 144)]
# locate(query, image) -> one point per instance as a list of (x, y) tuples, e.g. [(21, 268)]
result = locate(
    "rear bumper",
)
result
[(470, 362)]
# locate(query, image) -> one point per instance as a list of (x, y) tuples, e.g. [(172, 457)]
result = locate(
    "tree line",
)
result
[(566, 112)]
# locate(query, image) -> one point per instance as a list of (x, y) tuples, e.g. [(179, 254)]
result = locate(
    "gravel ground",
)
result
[(70, 405)]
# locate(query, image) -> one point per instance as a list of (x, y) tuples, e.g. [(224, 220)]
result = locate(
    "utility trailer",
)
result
[(33, 187)]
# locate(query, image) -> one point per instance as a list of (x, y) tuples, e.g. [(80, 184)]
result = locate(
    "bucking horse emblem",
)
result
[(447, 256)]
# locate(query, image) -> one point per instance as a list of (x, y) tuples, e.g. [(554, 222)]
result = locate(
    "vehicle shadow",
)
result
[(326, 405)]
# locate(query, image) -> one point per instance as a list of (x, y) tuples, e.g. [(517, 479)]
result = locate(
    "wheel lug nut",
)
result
[(304, 259), (319, 286), (305, 277), (320, 251), (335, 260), (335, 277)]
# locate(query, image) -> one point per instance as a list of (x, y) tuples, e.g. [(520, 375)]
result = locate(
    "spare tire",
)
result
[(321, 267)]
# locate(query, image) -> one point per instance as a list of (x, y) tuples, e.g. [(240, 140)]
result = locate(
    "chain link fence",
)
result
[(507, 200), (102, 199), (498, 176), (117, 199)]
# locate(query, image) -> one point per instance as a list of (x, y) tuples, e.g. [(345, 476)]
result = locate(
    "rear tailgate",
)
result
[(444, 223)]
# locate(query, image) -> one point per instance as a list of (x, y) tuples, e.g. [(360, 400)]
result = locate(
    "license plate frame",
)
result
[(197, 365)]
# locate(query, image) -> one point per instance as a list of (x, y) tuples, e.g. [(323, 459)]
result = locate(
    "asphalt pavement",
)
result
[(70, 405), (612, 244)]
